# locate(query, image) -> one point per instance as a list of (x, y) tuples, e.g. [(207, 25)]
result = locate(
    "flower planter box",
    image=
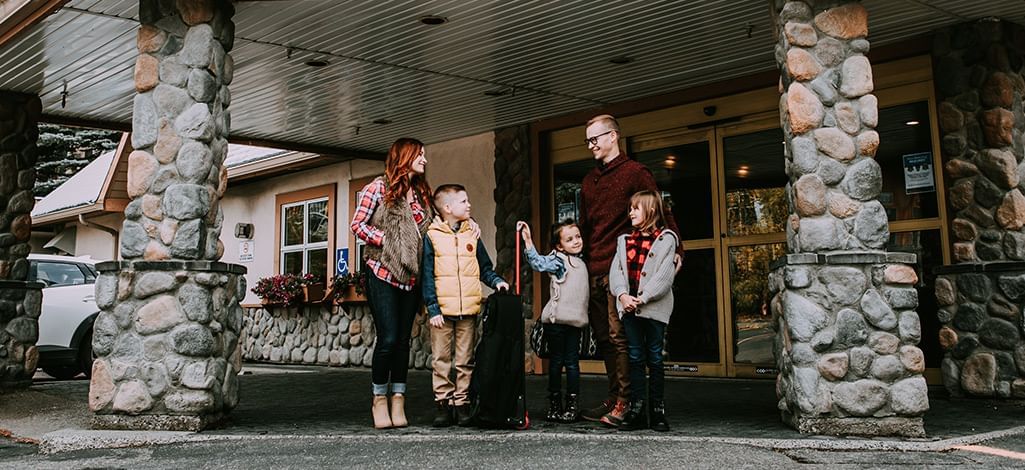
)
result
[(313, 293), (351, 296)]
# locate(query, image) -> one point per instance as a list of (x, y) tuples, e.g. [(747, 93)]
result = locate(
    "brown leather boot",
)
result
[(398, 411), (380, 412)]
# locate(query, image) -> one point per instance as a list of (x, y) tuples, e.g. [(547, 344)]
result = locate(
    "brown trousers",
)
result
[(608, 332), (464, 333)]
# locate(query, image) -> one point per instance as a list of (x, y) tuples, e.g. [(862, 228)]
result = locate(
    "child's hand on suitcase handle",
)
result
[(524, 230), (502, 286), (437, 321)]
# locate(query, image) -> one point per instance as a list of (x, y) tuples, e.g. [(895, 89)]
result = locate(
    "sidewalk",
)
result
[(318, 402)]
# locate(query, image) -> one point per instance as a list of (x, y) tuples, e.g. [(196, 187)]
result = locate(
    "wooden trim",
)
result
[(64, 215), (124, 148), (898, 226), (27, 16), (331, 193), (115, 205), (355, 186)]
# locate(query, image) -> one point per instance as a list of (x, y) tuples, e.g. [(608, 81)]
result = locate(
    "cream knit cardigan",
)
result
[(655, 289)]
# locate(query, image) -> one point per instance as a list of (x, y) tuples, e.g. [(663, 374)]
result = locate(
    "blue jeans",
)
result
[(394, 310), (645, 338), (563, 352)]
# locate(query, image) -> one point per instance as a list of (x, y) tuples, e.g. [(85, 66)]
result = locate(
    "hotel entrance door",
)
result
[(725, 188)]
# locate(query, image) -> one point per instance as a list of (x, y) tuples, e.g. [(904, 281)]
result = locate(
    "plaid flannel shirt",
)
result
[(637, 247), (371, 197)]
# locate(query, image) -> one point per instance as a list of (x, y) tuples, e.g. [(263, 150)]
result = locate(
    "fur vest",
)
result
[(403, 238)]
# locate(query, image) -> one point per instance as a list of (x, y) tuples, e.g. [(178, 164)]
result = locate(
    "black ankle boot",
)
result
[(658, 417), (554, 407), (636, 417), (443, 414), (571, 413)]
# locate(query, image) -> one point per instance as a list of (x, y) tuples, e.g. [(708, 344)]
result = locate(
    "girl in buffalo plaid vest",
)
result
[(641, 279)]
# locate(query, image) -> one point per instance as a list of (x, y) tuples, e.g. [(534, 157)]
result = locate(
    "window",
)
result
[(58, 274), (305, 236)]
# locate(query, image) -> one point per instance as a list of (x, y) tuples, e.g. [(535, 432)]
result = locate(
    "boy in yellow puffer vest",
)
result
[(454, 265)]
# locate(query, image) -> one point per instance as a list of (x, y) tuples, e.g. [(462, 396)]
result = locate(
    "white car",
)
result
[(68, 311)]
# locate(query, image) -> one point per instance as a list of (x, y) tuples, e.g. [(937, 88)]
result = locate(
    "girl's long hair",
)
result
[(397, 168), (650, 204)]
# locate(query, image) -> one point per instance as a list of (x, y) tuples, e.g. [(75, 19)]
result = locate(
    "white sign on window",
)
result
[(246, 248), (918, 173)]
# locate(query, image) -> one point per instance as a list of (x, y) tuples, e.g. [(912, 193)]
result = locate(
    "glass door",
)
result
[(752, 235), (683, 164)]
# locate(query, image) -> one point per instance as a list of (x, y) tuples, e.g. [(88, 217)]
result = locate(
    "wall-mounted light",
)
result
[(912, 123), (243, 231), (743, 171)]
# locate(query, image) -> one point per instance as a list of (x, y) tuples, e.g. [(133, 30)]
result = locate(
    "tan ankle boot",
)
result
[(380, 412), (398, 411)]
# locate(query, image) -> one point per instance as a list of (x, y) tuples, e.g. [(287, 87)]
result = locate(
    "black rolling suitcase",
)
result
[(498, 384)]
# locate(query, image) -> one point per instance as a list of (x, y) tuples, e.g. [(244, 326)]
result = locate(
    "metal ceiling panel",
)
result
[(550, 56)]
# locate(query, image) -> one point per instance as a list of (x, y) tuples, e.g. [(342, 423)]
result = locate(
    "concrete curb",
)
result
[(68, 440)]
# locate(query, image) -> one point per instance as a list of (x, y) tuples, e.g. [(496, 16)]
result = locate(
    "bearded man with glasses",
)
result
[(605, 199)]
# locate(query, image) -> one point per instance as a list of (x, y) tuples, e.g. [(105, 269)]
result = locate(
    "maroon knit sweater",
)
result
[(605, 198)]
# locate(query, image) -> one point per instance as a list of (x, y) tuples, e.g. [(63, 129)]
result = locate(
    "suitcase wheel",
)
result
[(526, 422)]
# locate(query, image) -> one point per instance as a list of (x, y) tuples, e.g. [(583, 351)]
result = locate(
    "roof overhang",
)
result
[(494, 64)]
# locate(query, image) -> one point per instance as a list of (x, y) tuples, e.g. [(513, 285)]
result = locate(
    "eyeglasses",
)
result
[(594, 140)]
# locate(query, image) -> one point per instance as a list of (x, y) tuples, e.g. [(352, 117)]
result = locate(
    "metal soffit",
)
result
[(544, 58)]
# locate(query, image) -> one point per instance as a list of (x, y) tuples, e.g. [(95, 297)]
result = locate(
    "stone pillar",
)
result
[(980, 86), (843, 308), (167, 336), (21, 300)]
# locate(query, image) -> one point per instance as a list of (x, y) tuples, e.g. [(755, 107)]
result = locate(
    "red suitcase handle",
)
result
[(517, 272)]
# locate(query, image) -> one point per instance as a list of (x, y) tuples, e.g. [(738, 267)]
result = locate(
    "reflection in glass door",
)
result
[(755, 209), (682, 167)]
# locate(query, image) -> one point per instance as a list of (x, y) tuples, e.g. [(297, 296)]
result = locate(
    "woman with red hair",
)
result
[(392, 215)]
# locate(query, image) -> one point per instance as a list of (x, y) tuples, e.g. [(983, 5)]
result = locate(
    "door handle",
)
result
[(89, 298), (722, 235)]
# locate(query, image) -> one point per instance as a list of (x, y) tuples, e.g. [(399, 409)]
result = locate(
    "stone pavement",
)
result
[(318, 403)]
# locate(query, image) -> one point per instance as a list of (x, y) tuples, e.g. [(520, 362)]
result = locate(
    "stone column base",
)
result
[(869, 427), (982, 328), (846, 331), (161, 422), (19, 330), (166, 343)]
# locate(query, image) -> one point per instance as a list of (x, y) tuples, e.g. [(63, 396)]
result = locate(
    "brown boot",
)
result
[(398, 411), (380, 412)]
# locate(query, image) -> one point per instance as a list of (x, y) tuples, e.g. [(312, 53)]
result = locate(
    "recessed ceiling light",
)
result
[(912, 123), (317, 63), (433, 20), (382, 121), (502, 92), (620, 60)]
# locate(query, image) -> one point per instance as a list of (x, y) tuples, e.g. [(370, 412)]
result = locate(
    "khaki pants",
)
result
[(611, 338), (464, 333)]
